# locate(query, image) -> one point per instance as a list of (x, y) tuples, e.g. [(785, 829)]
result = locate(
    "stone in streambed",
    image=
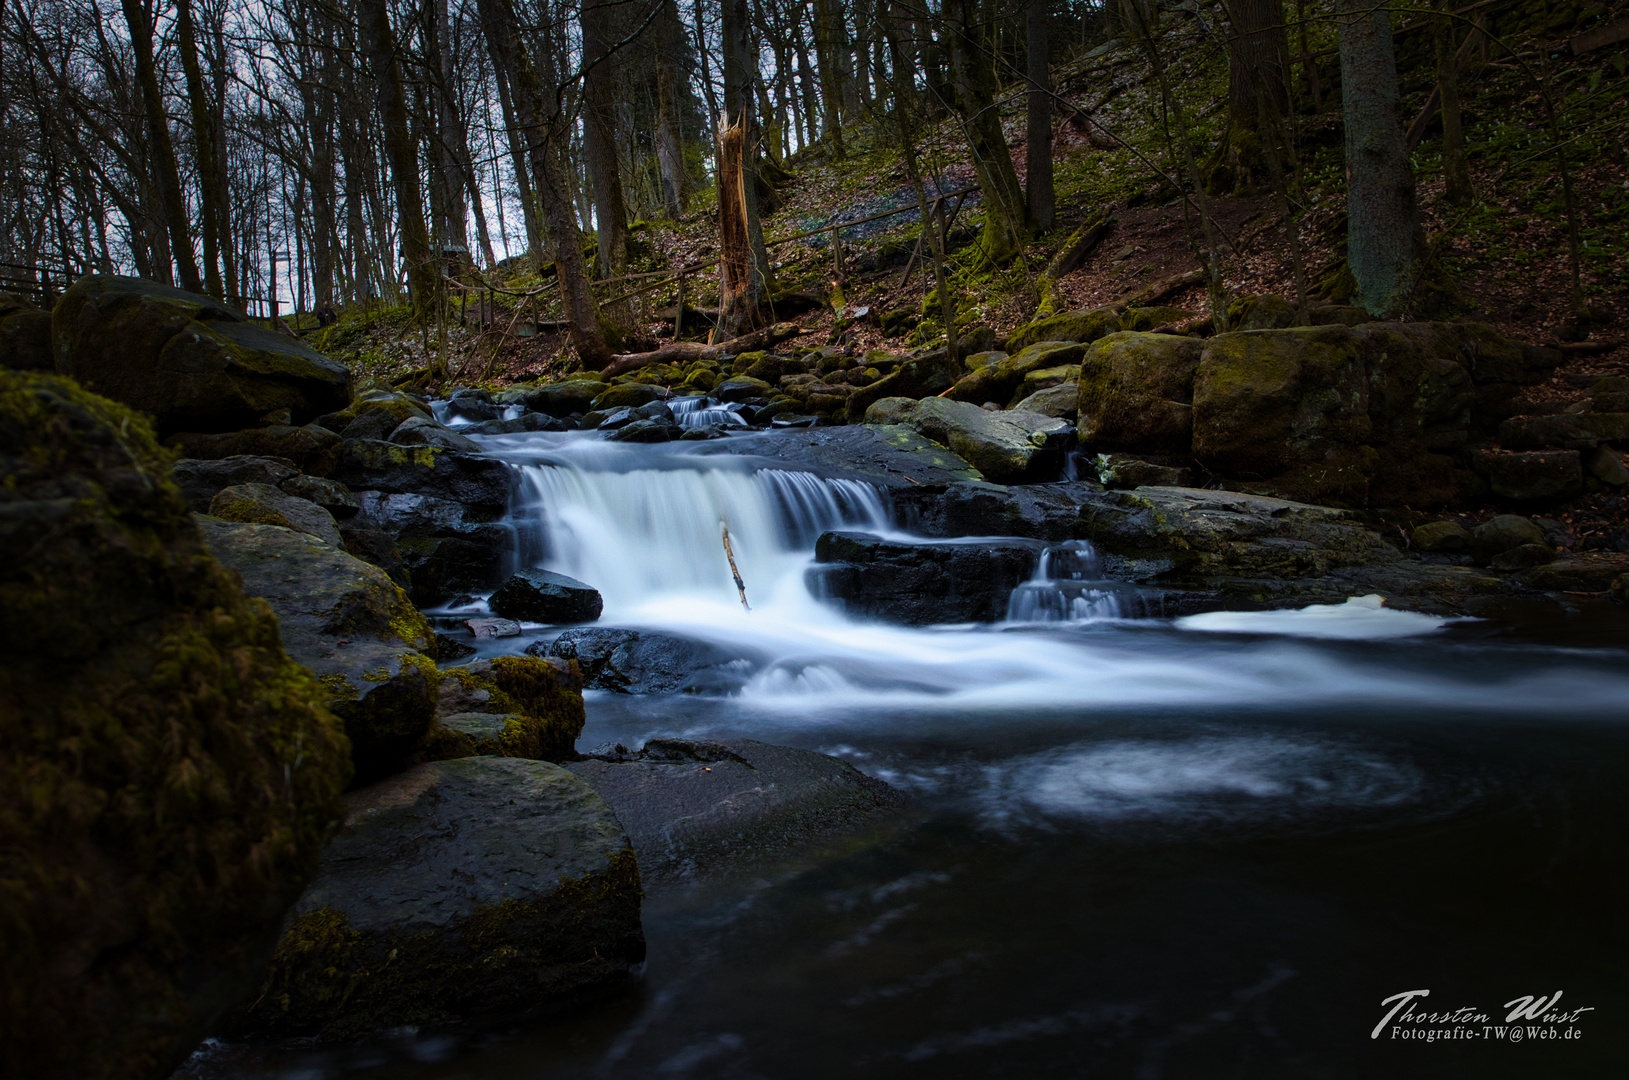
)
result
[(1061, 401), (921, 583), (546, 692), (1523, 557), (646, 662), (1502, 533), (312, 449), (698, 808), (200, 480), (332, 496), (478, 890), (351, 625), (262, 504), (422, 432), (546, 597), (1442, 537), (1009, 447), (167, 773)]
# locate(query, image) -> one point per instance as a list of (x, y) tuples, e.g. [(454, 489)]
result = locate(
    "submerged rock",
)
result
[(546, 597), (646, 662), (167, 773), (699, 808), (351, 625), (474, 891), (188, 360)]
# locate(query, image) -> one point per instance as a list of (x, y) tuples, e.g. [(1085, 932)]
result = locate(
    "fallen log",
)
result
[(685, 352), (1160, 290), (1080, 245)]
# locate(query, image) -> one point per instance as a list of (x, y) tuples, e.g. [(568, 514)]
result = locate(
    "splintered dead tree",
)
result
[(744, 277)]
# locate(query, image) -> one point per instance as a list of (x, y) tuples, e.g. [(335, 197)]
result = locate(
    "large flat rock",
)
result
[(888, 455), (698, 808)]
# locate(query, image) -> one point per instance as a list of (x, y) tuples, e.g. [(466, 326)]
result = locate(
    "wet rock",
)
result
[(546, 597), (448, 547), (694, 809), (890, 456), (25, 336), (416, 431), (332, 496), (1045, 379), (561, 399), (449, 648), (742, 388), (351, 625), (377, 549), (537, 705), (1061, 401), (532, 421), (1502, 533), (1007, 447), (475, 405), (645, 431), (187, 360), (920, 583), (1598, 573), (169, 772), (1126, 471), (646, 662), (492, 629), (200, 480), (262, 504), (769, 367), (629, 395), (1441, 537), (475, 482), (377, 424), (1036, 511), (393, 408), (312, 449), (479, 890), (1136, 393), (1533, 476)]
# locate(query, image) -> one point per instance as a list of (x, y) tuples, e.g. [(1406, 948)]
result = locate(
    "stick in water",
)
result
[(740, 586)]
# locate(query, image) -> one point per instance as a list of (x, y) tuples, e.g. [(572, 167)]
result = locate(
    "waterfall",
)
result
[(1069, 586), (644, 533), (699, 411)]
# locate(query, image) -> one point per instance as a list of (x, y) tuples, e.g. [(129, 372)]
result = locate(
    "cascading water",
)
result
[(701, 411), (1069, 586)]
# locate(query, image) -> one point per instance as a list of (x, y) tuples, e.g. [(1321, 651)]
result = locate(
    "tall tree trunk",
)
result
[(828, 16), (536, 243), (423, 278), (970, 30), (166, 174), (210, 198), (1382, 222), (1456, 172), (669, 139), (599, 137), (1038, 137), (542, 128), (449, 126), (1257, 66)]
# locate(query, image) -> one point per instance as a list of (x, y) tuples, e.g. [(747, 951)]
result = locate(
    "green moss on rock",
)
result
[(168, 774)]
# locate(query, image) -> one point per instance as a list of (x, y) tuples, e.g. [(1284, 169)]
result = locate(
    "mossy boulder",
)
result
[(742, 388), (1000, 381), (923, 375), (629, 396), (387, 409), (187, 360), (25, 336), (1441, 537), (1259, 313), (545, 693), (371, 465), (167, 775), (1009, 447), (560, 399), (312, 449), (1085, 325), (262, 504), (483, 889), (1375, 414), (768, 366), (418, 431), (1136, 393), (351, 625), (1061, 401)]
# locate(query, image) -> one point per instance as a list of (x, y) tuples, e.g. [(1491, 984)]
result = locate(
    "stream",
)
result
[(1138, 846)]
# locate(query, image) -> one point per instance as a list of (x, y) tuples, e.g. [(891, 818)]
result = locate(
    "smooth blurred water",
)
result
[(1137, 847)]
